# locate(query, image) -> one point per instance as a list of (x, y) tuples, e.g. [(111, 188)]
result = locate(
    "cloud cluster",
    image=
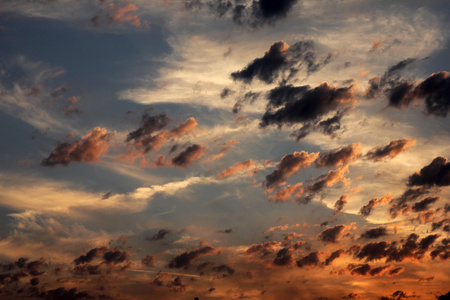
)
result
[(184, 260), (88, 149), (337, 157), (252, 14)]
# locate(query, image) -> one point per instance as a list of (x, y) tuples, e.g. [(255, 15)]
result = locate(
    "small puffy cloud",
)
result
[(374, 233), (161, 234), (391, 150), (341, 156), (331, 235), (333, 256), (184, 260), (289, 165), (262, 249), (148, 260), (374, 202), (309, 260), (88, 149), (188, 156), (340, 203)]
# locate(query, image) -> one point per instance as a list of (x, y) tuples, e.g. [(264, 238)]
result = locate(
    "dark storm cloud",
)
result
[(374, 202), (374, 233), (311, 259), (307, 108), (424, 204), (391, 150), (340, 203), (161, 234), (331, 235), (88, 149), (252, 14), (337, 157), (93, 253), (188, 156), (184, 260), (436, 173), (288, 166), (333, 256)]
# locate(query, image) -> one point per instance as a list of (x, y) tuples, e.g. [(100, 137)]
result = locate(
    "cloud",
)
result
[(226, 147), (236, 168), (184, 260), (148, 260), (331, 235), (328, 180), (400, 205), (390, 151), (281, 60), (286, 193), (160, 235), (333, 256), (90, 255), (253, 14), (188, 156), (340, 203), (395, 271), (437, 173), (337, 157), (308, 108), (424, 204), (366, 270), (224, 269), (289, 165), (374, 233), (88, 149), (310, 260), (262, 249), (374, 202), (374, 251)]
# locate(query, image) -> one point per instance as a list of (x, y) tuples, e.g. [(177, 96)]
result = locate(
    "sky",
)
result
[(224, 149)]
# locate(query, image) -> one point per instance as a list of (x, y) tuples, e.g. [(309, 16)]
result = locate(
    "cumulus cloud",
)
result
[(437, 173), (281, 60), (184, 260), (308, 107), (262, 249), (88, 149), (188, 156), (341, 156), (289, 165), (374, 233), (391, 150), (365, 270), (333, 256), (287, 192), (331, 235), (309, 260), (252, 14)]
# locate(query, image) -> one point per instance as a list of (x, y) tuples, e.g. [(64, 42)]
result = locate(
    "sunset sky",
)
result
[(224, 149)]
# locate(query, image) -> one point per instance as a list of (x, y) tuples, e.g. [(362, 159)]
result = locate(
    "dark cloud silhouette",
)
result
[(395, 271), (391, 150), (253, 14), (442, 250), (149, 124), (65, 294), (445, 297), (437, 173), (424, 204), (288, 166), (333, 256), (331, 235), (224, 269), (247, 98), (307, 108), (374, 251), (262, 249), (366, 270), (309, 260), (161, 234), (284, 61), (184, 260), (88, 149), (115, 256), (340, 203), (337, 157), (401, 205), (91, 255), (411, 248), (188, 156), (374, 233), (352, 296)]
